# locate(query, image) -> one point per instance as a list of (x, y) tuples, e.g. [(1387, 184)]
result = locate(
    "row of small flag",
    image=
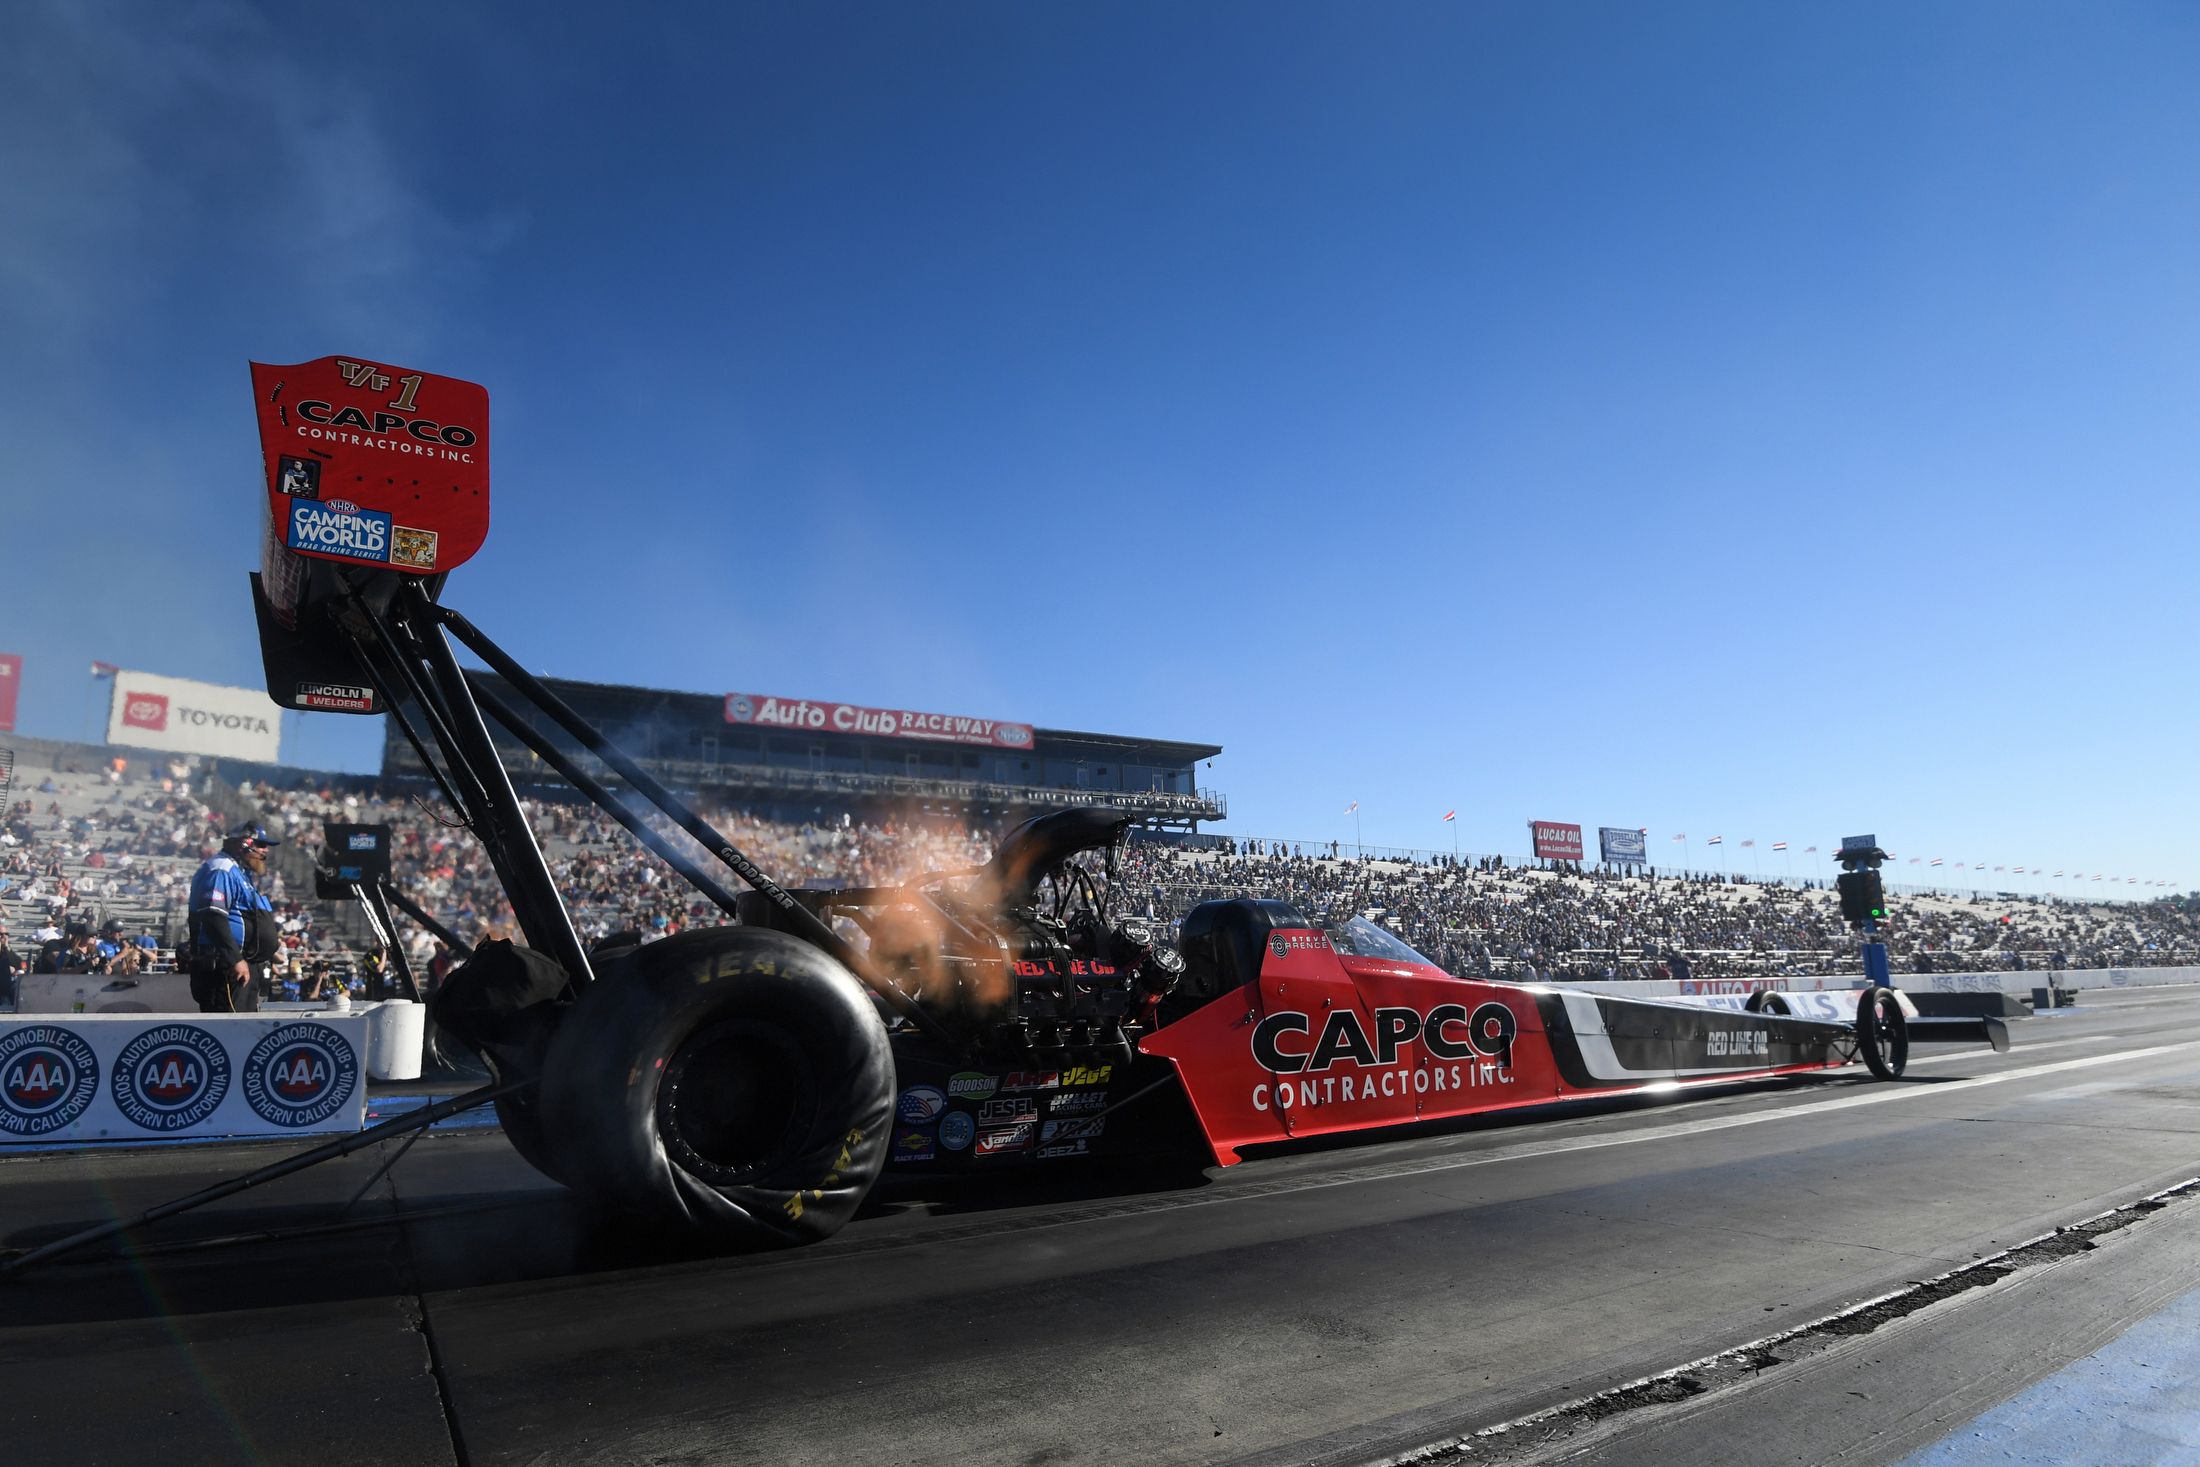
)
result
[(1781, 845)]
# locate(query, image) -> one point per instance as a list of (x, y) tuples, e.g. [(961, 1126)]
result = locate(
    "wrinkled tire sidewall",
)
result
[(605, 1067)]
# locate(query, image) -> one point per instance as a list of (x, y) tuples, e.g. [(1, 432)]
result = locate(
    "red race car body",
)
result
[(1349, 1029)]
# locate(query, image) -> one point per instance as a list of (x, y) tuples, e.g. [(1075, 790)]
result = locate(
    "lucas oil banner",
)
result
[(137, 1077), (1555, 840), (1617, 847), (180, 716), (373, 465)]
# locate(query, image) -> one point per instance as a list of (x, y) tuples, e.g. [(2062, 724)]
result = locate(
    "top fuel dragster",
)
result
[(751, 1081)]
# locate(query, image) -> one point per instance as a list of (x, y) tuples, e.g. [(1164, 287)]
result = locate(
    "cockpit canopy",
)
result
[(1360, 937)]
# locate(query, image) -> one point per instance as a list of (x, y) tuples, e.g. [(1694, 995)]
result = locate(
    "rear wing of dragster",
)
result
[(378, 488), (1845, 1007)]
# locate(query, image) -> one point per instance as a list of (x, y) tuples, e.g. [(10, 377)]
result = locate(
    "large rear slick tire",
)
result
[(734, 1083), (1883, 1033)]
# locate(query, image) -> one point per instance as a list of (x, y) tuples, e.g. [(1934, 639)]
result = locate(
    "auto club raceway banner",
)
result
[(180, 716), (134, 1078)]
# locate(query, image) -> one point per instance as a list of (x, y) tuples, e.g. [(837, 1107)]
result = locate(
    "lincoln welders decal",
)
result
[(48, 1077), (170, 1078), (300, 1075)]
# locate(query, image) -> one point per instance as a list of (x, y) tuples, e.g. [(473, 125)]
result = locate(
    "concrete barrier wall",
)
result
[(2019, 985)]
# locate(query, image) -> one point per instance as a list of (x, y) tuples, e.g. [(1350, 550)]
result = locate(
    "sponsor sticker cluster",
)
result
[(339, 527)]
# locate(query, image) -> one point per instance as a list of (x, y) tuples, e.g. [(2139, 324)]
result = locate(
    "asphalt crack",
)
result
[(1523, 1440)]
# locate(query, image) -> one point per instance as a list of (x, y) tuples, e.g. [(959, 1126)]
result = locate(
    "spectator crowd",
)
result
[(94, 868)]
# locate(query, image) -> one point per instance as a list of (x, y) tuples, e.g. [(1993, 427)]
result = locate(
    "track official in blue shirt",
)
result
[(231, 923)]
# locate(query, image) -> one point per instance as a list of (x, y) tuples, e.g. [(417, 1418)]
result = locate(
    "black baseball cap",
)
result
[(251, 833)]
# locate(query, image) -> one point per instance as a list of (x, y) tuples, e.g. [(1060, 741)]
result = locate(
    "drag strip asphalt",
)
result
[(1338, 1303)]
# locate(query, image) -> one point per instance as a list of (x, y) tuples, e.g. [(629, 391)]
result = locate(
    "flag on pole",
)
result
[(1915, 860), (2020, 870), (1779, 845), (1749, 845), (1810, 850), (1997, 868), (1449, 813), (104, 669), (1351, 807), (1935, 861), (1715, 840), (1981, 866), (1680, 835)]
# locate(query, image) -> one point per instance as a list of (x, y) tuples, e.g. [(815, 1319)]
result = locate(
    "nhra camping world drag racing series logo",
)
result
[(48, 1077), (300, 1075), (170, 1078), (339, 527)]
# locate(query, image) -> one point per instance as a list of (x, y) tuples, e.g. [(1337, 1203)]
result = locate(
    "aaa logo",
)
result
[(171, 1078), (48, 1077), (300, 1075)]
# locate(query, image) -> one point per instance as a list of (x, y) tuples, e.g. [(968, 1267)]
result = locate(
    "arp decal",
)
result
[(48, 1079), (170, 1078), (300, 1075)]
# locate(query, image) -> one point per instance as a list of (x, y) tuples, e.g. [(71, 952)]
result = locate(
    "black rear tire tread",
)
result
[(735, 1083)]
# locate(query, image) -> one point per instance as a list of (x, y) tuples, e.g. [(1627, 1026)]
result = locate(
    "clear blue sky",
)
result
[(1510, 407)]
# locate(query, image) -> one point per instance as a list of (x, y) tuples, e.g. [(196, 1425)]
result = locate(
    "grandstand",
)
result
[(84, 844), (798, 759)]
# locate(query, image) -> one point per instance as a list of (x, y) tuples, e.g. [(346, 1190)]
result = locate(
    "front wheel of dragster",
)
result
[(735, 1082), (1883, 1033)]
